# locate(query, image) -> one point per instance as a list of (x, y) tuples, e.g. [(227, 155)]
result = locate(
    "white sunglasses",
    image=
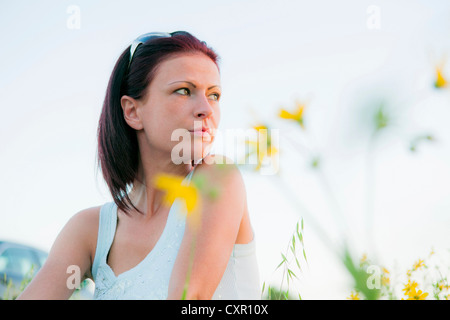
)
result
[(144, 38)]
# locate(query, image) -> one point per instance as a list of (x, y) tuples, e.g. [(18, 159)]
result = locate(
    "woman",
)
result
[(135, 247)]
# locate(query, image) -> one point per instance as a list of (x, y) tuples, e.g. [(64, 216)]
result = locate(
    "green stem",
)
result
[(188, 275)]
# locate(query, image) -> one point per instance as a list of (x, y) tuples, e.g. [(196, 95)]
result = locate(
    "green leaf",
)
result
[(300, 237), (298, 264), (381, 118), (293, 243), (284, 259), (291, 273), (292, 250)]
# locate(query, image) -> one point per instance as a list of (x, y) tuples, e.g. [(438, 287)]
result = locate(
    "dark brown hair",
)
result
[(118, 151)]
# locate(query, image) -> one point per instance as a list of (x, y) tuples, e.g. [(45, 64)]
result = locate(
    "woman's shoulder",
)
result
[(224, 177), (83, 225), (220, 170), (86, 218), (218, 164)]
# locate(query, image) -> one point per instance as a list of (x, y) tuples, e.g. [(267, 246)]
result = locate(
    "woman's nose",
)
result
[(203, 108)]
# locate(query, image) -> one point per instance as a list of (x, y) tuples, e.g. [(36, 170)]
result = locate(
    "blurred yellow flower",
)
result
[(419, 264), (440, 82), (442, 285), (363, 259), (385, 280), (264, 141), (354, 296), (260, 127), (172, 184), (409, 287), (416, 295), (431, 253), (297, 115)]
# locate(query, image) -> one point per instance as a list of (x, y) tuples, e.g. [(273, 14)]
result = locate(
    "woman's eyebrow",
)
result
[(194, 84)]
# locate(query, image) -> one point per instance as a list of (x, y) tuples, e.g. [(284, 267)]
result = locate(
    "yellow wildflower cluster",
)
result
[(262, 147), (424, 281), (439, 284), (412, 293)]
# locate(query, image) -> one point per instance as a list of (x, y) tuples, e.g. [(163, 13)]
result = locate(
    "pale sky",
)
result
[(54, 76)]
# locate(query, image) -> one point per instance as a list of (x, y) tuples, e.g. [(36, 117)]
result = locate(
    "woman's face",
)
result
[(183, 96)]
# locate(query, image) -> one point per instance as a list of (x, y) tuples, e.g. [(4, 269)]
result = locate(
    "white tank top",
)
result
[(150, 278)]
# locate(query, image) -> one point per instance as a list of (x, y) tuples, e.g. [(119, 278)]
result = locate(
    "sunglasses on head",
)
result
[(147, 37)]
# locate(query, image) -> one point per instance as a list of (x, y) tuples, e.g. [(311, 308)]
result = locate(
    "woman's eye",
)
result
[(183, 91), (215, 96)]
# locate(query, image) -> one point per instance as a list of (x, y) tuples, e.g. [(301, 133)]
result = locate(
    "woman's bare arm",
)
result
[(214, 239), (71, 252)]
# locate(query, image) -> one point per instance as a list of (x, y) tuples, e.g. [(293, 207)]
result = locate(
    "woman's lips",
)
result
[(205, 134)]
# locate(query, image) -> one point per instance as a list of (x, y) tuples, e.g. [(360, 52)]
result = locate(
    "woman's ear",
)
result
[(130, 112)]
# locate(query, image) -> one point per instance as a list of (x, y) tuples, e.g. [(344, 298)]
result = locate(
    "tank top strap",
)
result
[(106, 232), (188, 178)]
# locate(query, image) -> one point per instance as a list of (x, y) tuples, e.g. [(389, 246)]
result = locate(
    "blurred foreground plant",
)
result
[(370, 280), (11, 292), (262, 147), (191, 195), (295, 245), (424, 281), (441, 81)]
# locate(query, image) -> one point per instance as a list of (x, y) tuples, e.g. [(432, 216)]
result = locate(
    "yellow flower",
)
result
[(263, 140), (354, 296), (297, 115), (363, 259), (416, 295), (172, 184), (417, 265), (432, 252), (440, 82), (409, 287), (385, 280), (441, 285)]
